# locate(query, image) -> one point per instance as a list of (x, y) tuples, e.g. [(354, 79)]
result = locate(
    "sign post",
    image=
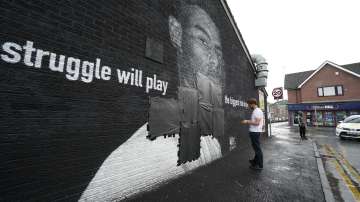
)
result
[(277, 93)]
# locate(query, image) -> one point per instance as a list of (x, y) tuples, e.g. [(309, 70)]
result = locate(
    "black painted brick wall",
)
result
[(55, 133)]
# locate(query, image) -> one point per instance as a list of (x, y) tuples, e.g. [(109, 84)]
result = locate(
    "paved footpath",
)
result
[(290, 174)]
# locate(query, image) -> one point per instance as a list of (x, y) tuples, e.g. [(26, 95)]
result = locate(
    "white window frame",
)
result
[(327, 91)]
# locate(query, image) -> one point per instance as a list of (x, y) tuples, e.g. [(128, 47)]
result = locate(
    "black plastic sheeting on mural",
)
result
[(218, 122), (206, 118), (196, 112), (164, 117), (216, 97), (210, 98), (189, 99), (189, 143)]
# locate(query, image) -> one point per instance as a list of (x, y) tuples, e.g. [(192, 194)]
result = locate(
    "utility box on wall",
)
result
[(77, 83)]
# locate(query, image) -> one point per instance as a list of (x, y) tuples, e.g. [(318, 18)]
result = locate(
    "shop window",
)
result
[(340, 116), (318, 119), (308, 118), (330, 91), (298, 117), (328, 119)]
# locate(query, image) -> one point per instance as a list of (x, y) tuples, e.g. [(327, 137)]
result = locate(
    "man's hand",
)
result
[(255, 123), (245, 121)]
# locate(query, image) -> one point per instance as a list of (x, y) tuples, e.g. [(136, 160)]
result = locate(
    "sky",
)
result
[(300, 35)]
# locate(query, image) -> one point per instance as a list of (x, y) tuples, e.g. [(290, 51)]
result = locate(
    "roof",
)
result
[(292, 81), (355, 67), (296, 80)]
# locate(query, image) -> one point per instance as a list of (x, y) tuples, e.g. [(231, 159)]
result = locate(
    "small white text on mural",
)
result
[(234, 102)]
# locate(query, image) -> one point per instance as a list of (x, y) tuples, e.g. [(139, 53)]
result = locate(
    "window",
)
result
[(339, 90), (320, 92), (330, 91), (352, 119)]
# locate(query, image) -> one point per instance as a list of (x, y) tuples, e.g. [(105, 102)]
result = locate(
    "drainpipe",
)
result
[(261, 82), (261, 70)]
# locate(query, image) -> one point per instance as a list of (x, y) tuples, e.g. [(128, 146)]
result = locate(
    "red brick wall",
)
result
[(294, 96), (327, 77)]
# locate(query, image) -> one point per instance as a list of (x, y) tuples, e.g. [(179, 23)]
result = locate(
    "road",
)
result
[(341, 159)]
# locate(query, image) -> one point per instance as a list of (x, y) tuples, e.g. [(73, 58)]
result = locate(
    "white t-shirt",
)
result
[(256, 114)]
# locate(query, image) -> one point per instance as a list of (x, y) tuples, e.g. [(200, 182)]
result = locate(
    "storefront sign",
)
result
[(325, 106)]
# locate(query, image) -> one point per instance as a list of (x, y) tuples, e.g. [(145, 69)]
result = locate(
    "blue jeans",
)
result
[(255, 142)]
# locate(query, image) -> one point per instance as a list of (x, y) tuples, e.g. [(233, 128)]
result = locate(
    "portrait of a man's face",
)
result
[(200, 92), (202, 43), (199, 46)]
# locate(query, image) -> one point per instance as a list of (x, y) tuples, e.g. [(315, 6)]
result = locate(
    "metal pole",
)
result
[(270, 125), (316, 124), (270, 132)]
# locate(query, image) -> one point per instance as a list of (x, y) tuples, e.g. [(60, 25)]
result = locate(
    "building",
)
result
[(324, 96), (278, 111), (90, 88)]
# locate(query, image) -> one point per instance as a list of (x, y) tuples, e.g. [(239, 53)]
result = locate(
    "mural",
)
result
[(200, 95), (192, 122), (102, 107)]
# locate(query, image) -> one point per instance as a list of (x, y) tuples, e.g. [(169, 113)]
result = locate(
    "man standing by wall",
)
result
[(255, 129)]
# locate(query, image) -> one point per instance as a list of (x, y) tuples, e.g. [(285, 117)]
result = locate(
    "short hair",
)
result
[(251, 101)]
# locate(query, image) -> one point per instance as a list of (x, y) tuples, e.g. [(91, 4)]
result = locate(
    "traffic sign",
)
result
[(277, 93)]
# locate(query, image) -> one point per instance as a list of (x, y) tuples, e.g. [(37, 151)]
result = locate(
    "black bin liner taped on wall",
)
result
[(218, 122), (164, 117), (189, 143), (189, 101)]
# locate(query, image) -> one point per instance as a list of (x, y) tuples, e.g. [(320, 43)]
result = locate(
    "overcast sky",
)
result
[(299, 35)]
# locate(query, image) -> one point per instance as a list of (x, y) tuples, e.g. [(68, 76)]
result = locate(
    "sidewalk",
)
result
[(290, 174)]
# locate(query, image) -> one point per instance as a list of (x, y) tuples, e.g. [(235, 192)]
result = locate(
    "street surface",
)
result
[(341, 159), (290, 174)]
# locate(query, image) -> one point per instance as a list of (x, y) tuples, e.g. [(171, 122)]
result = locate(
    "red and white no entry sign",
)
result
[(277, 93)]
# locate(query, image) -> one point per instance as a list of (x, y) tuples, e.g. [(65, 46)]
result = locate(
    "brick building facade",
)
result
[(88, 90), (324, 96), (279, 111)]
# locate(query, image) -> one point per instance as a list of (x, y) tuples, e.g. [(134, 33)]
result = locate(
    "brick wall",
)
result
[(293, 96), (327, 77), (60, 127)]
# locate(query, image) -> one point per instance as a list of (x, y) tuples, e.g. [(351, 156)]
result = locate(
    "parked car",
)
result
[(349, 128)]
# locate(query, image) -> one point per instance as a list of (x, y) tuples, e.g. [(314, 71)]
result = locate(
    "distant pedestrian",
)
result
[(255, 130), (302, 130)]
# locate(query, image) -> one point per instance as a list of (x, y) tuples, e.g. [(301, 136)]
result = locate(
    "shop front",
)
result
[(322, 114)]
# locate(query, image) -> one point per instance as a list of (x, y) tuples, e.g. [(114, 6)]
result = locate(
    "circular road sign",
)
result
[(277, 93)]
